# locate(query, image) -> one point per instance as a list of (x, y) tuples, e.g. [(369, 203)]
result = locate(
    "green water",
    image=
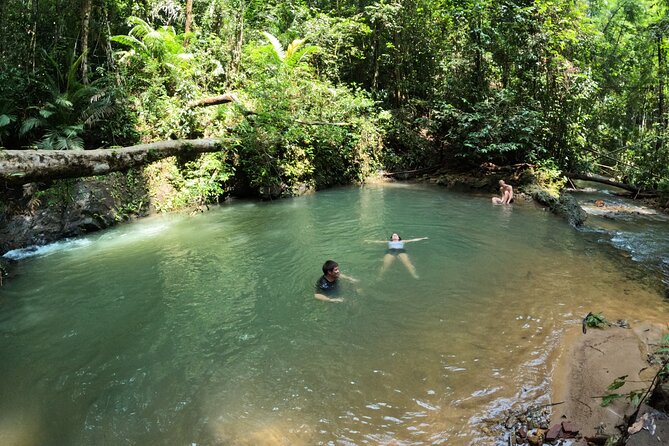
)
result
[(183, 330)]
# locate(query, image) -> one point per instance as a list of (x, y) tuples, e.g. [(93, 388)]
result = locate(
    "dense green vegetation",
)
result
[(327, 92)]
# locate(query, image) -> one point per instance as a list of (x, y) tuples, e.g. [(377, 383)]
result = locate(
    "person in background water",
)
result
[(328, 284), (506, 192), (396, 250)]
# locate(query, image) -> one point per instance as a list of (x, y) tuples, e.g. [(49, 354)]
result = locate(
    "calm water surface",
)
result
[(203, 330)]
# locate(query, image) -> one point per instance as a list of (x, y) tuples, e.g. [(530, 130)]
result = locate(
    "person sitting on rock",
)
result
[(506, 192)]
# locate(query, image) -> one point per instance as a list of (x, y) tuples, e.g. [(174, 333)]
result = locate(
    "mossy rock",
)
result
[(563, 204)]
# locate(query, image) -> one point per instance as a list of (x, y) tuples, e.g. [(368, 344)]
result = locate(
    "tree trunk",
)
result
[(478, 81), (27, 166), (189, 20), (107, 36), (33, 37), (235, 62), (376, 55), (660, 81), (86, 8)]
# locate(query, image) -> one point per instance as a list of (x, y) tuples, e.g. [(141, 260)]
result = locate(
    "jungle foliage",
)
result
[(330, 91)]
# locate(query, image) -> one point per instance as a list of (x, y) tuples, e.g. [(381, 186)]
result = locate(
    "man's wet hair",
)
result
[(329, 265)]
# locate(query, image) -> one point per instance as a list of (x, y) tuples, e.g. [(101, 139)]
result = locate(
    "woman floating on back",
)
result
[(396, 249)]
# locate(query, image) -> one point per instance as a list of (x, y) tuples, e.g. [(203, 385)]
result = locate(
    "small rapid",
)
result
[(633, 230)]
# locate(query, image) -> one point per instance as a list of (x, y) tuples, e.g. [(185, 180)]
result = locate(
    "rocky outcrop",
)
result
[(520, 177), (68, 209), (563, 205)]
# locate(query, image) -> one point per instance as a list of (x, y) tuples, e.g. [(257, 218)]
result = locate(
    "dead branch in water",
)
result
[(608, 181)]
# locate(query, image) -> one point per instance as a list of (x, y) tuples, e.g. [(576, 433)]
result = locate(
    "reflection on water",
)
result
[(204, 330)]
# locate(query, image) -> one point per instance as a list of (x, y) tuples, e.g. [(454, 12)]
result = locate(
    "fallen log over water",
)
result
[(603, 180), (27, 166)]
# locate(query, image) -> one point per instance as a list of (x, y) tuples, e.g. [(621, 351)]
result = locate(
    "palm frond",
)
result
[(60, 143), (140, 28), (30, 124), (168, 30), (72, 131), (154, 35), (131, 41), (48, 141), (155, 43), (53, 83), (83, 94), (278, 48), (72, 81), (61, 101), (61, 139), (6, 119), (99, 109), (47, 111), (99, 95), (75, 143), (126, 55), (297, 56), (293, 46)]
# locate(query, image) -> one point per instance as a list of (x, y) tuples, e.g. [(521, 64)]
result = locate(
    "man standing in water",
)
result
[(328, 282), (506, 191)]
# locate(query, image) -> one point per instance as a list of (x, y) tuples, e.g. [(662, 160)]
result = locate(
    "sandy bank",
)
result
[(590, 362)]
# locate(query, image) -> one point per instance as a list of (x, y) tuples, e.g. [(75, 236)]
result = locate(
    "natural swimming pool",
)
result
[(204, 330)]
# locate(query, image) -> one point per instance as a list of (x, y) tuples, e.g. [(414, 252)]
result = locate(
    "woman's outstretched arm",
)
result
[(415, 239)]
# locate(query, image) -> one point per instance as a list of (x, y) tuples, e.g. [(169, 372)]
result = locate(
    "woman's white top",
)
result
[(396, 245)]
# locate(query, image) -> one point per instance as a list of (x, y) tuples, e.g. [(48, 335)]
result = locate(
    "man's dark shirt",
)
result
[(324, 285)]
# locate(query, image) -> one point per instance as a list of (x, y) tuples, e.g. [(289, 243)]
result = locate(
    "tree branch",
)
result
[(213, 100), (340, 124)]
